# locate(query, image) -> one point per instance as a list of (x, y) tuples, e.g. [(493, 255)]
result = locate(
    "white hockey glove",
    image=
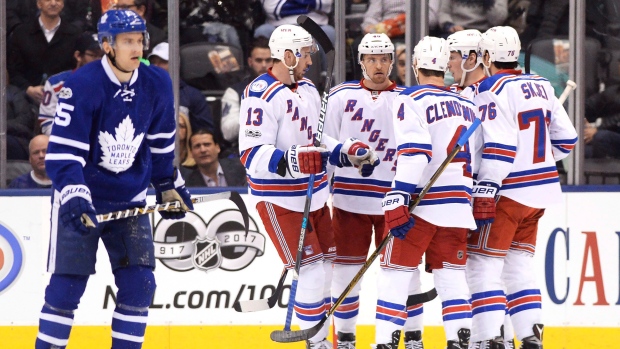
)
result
[(356, 153)]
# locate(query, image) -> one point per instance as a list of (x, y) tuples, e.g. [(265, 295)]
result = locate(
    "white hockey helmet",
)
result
[(374, 44), (502, 43), (290, 37), (431, 53), (464, 41)]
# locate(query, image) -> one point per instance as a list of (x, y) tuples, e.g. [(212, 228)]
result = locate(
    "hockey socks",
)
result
[(345, 316), (452, 289), (309, 299), (136, 286), (62, 297)]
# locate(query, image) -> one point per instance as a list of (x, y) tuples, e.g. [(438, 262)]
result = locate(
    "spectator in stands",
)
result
[(84, 14), (156, 35), (209, 171), (185, 131), (457, 15), (40, 48), (37, 178), (287, 13), (203, 21), (87, 50), (259, 62), (20, 123), (189, 97), (19, 11), (603, 141), (401, 65)]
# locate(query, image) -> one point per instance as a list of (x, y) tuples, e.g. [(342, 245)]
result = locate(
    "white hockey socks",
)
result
[(452, 289), (345, 317), (309, 299), (523, 296), (391, 313), (488, 300)]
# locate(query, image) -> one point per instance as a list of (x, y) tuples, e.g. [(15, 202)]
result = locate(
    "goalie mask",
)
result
[(290, 38), (464, 42), (375, 44), (430, 53)]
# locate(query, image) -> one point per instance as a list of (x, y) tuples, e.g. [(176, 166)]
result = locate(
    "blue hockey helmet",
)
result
[(114, 22)]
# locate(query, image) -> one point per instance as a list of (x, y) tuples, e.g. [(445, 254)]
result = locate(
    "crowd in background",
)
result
[(48, 39)]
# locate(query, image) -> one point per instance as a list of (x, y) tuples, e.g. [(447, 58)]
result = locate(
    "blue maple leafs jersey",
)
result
[(113, 137)]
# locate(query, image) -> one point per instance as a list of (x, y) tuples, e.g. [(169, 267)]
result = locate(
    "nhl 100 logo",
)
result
[(189, 243)]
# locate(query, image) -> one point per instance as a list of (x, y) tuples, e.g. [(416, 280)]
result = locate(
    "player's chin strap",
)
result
[(291, 70), (113, 61), (465, 70)]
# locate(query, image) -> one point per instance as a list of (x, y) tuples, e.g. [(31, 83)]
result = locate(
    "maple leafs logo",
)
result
[(119, 151)]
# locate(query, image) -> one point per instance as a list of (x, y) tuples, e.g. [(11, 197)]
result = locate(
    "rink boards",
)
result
[(205, 264)]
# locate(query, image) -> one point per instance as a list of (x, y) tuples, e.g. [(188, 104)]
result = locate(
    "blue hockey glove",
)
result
[(76, 209), (173, 189), (396, 209), (354, 152), (484, 194)]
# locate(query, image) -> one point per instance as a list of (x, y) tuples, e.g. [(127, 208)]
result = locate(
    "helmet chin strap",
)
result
[(113, 61), (291, 70), (465, 70)]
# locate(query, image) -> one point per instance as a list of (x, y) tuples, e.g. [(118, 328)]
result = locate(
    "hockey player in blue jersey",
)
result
[(113, 134)]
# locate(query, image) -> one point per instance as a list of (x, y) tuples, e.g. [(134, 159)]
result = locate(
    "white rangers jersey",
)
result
[(355, 111), (525, 130), (428, 121), (272, 118)]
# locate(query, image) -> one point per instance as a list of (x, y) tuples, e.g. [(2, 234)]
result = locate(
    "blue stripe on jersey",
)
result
[(377, 182), (564, 145), (306, 82), (361, 187), (276, 156), (530, 178), (434, 91), (273, 93), (404, 186), (248, 161), (519, 78)]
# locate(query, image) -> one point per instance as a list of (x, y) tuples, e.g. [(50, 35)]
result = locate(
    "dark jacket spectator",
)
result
[(31, 58), (20, 11), (84, 14), (233, 170), (20, 123)]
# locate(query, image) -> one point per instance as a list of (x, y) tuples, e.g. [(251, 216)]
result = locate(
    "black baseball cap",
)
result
[(87, 41)]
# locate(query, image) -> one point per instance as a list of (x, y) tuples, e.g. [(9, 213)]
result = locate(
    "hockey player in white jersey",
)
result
[(113, 135), (428, 119), (278, 118), (466, 67), (525, 131), (362, 109)]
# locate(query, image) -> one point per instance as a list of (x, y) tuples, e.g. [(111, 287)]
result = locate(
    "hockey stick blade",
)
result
[(262, 304), (317, 33), (420, 298)]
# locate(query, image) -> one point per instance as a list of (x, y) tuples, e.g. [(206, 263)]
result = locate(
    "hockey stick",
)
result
[(264, 303), (170, 206), (570, 86), (317, 33), (296, 336), (420, 298)]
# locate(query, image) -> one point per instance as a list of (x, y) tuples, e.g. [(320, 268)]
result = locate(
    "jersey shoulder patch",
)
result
[(265, 87)]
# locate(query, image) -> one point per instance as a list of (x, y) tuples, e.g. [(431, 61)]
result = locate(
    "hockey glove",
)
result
[(173, 189), (396, 209), (300, 160), (484, 202), (76, 209), (354, 152)]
